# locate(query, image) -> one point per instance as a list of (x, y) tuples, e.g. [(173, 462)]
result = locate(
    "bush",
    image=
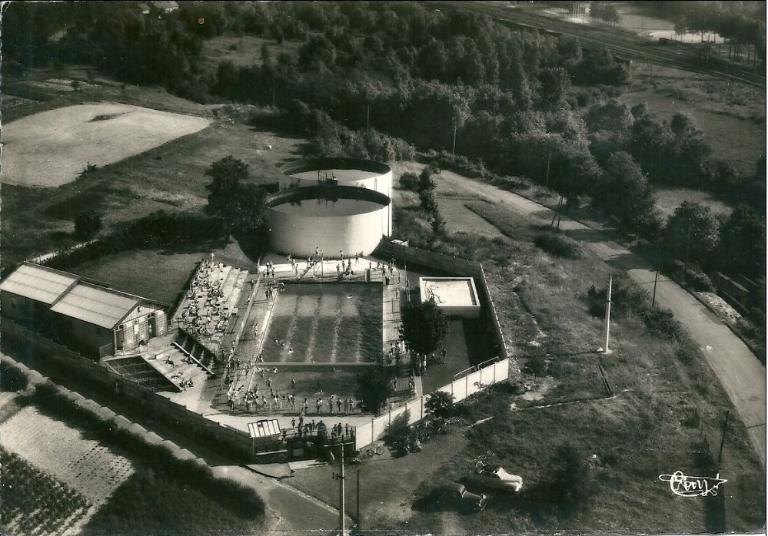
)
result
[(662, 322), (626, 298), (11, 378), (398, 429), (409, 181), (558, 245), (87, 224), (440, 404), (693, 277), (537, 365)]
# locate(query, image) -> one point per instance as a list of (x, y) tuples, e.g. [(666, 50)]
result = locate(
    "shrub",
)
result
[(686, 354), (440, 404), (87, 224), (693, 277), (398, 429), (558, 245), (11, 378), (537, 365), (409, 181), (626, 298), (661, 322)]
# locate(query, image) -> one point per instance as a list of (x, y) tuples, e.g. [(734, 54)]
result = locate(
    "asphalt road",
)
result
[(739, 371)]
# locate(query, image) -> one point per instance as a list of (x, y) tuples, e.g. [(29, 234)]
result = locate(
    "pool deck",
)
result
[(208, 396)]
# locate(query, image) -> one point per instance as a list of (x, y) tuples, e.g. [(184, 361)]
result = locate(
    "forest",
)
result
[(384, 80)]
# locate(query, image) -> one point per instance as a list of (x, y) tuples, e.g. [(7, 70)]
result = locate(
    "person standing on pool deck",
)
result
[(318, 403)]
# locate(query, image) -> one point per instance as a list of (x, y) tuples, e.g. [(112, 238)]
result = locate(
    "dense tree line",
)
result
[(741, 23), (373, 80)]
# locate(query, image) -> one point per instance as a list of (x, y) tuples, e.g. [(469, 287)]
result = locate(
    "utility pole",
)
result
[(722, 439), (549, 157), (359, 523), (606, 349), (655, 280), (342, 499)]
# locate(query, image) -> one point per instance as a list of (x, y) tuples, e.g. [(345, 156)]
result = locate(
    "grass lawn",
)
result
[(666, 414), (243, 51), (668, 199), (387, 485), (170, 177), (730, 115), (148, 273), (85, 134)]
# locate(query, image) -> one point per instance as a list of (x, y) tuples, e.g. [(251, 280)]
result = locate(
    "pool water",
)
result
[(327, 207), (326, 323)]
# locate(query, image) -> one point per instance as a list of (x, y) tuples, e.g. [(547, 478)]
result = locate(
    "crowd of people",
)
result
[(204, 312), (263, 395)]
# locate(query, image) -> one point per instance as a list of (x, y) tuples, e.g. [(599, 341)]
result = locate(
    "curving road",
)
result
[(740, 373)]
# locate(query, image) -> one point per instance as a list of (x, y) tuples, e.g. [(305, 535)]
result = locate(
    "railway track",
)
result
[(621, 43)]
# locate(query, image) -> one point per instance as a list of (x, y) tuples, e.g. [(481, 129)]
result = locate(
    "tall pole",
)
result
[(608, 317), (342, 499), (655, 280), (359, 523), (722, 439)]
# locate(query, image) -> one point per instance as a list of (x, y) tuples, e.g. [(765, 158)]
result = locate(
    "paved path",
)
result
[(739, 371), (293, 512)]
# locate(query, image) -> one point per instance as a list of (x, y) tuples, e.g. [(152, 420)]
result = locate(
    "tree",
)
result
[(425, 179), (87, 224), (613, 116), (423, 326), (373, 388), (437, 223), (623, 191), (440, 404), (693, 232), (460, 112), (240, 205), (226, 175), (555, 83), (569, 482), (409, 181), (428, 201), (742, 242)]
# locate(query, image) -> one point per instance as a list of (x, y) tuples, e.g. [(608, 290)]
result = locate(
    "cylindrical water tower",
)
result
[(329, 217)]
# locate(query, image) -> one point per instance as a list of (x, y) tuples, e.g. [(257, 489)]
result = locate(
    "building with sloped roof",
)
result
[(91, 319)]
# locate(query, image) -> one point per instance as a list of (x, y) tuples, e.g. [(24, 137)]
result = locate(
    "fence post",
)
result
[(421, 406), (372, 440), (466, 386), (494, 373)]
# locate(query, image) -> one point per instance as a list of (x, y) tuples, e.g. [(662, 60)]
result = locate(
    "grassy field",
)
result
[(243, 51), (149, 273), (85, 135), (665, 414), (730, 115), (668, 199), (170, 177)]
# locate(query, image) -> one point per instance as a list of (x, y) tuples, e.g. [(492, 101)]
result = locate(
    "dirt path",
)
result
[(739, 371)]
